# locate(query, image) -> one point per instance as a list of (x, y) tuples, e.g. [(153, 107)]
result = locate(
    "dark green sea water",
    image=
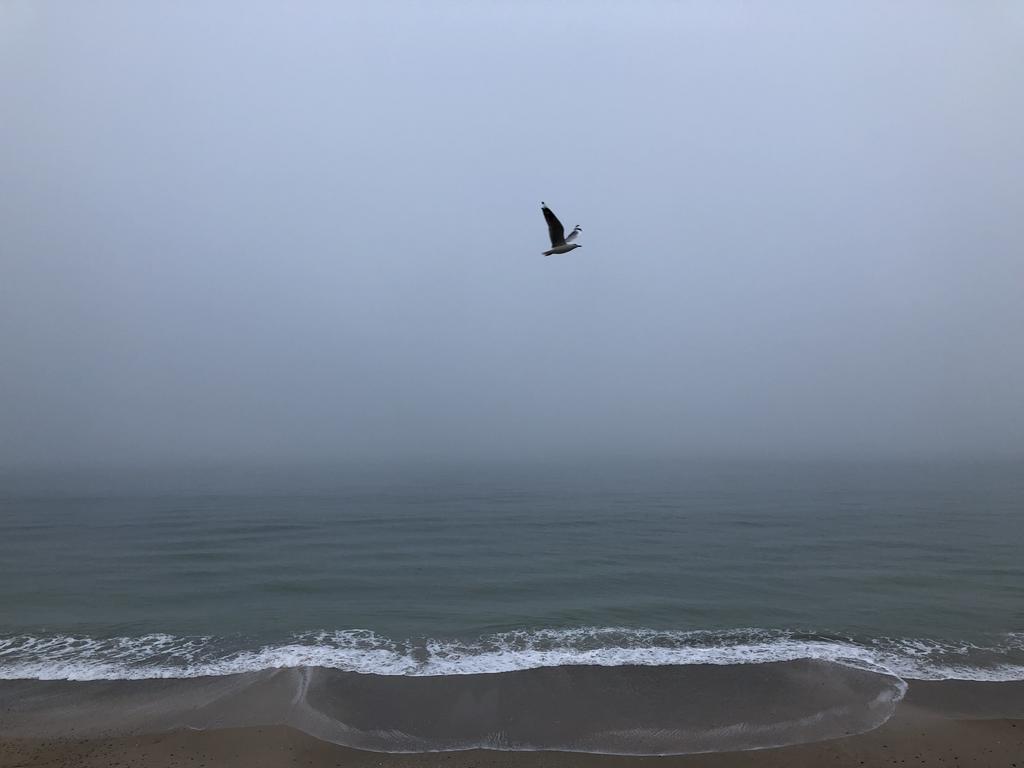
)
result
[(434, 568)]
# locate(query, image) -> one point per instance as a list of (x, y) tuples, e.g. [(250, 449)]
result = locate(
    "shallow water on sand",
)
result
[(615, 710)]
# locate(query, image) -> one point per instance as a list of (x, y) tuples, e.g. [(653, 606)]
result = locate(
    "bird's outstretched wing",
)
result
[(572, 235), (555, 228)]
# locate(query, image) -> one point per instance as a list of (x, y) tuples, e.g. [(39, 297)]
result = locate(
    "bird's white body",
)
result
[(565, 248)]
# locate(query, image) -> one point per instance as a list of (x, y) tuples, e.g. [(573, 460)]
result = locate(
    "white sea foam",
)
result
[(161, 656)]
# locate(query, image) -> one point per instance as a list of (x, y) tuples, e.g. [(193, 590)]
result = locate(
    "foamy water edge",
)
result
[(67, 657)]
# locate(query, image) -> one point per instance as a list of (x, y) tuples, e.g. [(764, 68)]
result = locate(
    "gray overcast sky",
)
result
[(261, 230)]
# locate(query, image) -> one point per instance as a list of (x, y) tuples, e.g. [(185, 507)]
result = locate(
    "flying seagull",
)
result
[(559, 242)]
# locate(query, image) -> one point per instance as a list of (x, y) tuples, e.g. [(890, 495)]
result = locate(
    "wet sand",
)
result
[(910, 739), (937, 724), (625, 710)]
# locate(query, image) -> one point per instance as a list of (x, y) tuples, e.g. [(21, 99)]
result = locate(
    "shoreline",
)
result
[(936, 722), (627, 710)]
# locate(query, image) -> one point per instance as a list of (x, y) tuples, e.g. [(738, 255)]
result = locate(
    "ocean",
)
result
[(856, 576)]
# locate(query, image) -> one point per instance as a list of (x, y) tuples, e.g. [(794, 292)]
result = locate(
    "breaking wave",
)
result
[(68, 657)]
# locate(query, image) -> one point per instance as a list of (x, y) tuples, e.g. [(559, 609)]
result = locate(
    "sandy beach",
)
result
[(941, 723), (909, 739)]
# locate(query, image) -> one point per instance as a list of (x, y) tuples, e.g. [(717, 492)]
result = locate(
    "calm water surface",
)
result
[(419, 553)]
